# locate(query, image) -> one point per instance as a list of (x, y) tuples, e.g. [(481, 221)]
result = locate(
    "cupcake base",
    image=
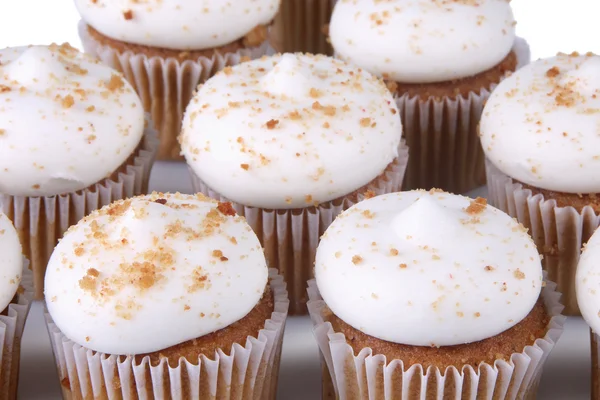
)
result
[(165, 81), (365, 375), (559, 232), (290, 237), (12, 324), (41, 221), (244, 371)]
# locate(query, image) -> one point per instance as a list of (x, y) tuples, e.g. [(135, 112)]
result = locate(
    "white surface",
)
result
[(566, 376)]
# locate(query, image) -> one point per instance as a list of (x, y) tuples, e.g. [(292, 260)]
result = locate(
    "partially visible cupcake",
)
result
[(441, 60), (73, 138), (16, 293), (165, 296), (588, 298), (301, 26), (292, 140), (431, 295), (166, 49), (539, 131)]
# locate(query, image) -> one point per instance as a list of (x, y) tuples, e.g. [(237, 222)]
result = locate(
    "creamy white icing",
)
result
[(541, 126), (147, 273), (290, 131), (181, 24), (66, 121), (428, 269), (587, 282), (423, 41), (11, 261)]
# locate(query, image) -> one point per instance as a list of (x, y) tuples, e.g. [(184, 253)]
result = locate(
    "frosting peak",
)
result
[(150, 272), (66, 121), (290, 76), (428, 268)]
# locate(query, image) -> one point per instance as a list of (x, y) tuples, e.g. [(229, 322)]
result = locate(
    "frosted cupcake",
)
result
[(441, 60), (431, 295), (292, 140), (587, 285), (73, 138), (301, 26), (165, 296), (166, 49), (15, 298), (539, 132)]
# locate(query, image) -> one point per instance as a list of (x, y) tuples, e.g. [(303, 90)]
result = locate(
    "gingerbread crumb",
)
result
[(226, 208), (271, 124), (489, 268), (161, 201), (369, 194), (553, 72), (518, 274), (68, 101), (128, 15), (477, 206), (245, 166), (115, 83), (357, 259)]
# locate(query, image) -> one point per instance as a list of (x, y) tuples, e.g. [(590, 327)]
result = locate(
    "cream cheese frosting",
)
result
[(428, 269), (423, 41), (180, 24), (290, 131), (150, 272), (66, 121), (587, 282), (11, 261), (541, 126)]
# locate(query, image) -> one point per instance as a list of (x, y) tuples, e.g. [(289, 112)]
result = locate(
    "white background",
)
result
[(549, 26)]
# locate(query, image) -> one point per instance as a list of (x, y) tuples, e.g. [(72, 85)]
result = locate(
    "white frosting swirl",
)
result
[(11, 261), (180, 24), (289, 131), (587, 282), (541, 125), (423, 41), (428, 269), (66, 121), (147, 273)]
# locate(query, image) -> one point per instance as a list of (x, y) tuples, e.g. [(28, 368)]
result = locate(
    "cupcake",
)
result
[(16, 293), (441, 60), (165, 50), (431, 295), (301, 26), (539, 132), (73, 138), (164, 296), (587, 285), (292, 140)]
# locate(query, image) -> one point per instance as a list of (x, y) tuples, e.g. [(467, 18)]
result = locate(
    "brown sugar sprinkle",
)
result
[(161, 201), (128, 15), (226, 208), (271, 124), (489, 268), (553, 72), (357, 259), (115, 83), (245, 166), (477, 206)]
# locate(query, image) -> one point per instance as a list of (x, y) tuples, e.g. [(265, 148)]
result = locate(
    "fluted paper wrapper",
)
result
[(300, 26), (558, 232), (248, 373), (165, 85), (442, 134), (11, 332), (41, 221), (290, 237), (595, 345), (369, 376)]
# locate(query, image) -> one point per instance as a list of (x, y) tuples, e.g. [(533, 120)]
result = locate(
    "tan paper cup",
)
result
[(290, 237), (41, 221), (558, 232), (442, 135), (595, 341), (12, 323), (369, 376), (301, 26), (165, 85), (249, 372)]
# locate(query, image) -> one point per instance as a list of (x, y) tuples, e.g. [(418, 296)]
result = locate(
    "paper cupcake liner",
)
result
[(558, 232), (290, 237), (373, 377), (41, 221), (11, 332), (445, 151), (248, 373), (300, 26), (595, 347), (165, 85)]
